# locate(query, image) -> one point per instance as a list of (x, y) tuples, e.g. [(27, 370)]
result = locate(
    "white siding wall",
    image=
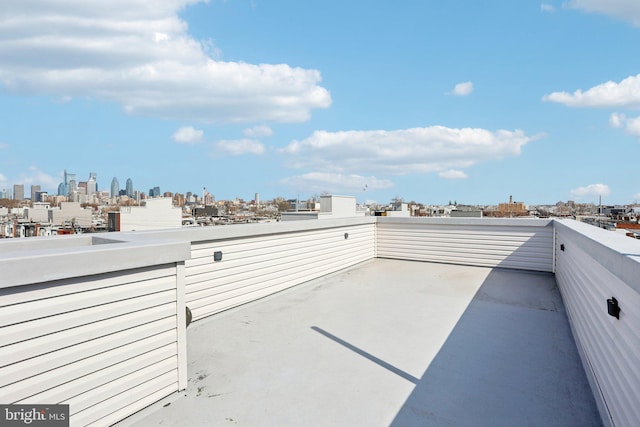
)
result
[(107, 345), (254, 267), (509, 243), (594, 266)]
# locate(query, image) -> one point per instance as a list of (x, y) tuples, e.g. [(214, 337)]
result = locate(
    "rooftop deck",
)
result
[(337, 321), (388, 342)]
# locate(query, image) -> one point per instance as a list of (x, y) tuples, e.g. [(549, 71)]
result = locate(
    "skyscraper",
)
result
[(18, 191), (115, 187), (68, 185), (92, 184), (35, 189), (129, 188)]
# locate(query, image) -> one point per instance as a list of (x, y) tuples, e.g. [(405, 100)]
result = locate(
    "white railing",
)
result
[(593, 266), (98, 322)]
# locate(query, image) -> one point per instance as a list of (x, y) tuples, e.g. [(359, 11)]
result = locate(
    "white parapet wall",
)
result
[(230, 266), (95, 323), (525, 244), (592, 266)]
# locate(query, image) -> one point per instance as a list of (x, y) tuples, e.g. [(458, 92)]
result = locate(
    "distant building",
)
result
[(35, 189), (68, 185), (92, 184), (510, 209), (395, 209), (154, 214), (18, 192), (82, 187), (330, 207), (129, 188), (115, 188), (41, 196), (154, 192)]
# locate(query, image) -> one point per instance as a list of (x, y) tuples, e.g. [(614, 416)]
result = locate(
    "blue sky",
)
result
[(426, 100)]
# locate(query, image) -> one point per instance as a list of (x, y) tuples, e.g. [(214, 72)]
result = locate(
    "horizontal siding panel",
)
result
[(47, 361), (78, 378), (122, 385), (33, 292), (122, 405), (518, 247), (69, 337), (299, 274), (279, 248), (270, 257), (48, 325), (91, 341), (221, 302), (259, 266), (281, 260), (66, 303), (143, 400), (217, 284), (513, 262), (611, 347)]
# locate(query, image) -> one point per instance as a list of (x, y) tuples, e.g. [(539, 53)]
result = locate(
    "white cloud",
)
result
[(3, 145), (429, 149), (258, 132), (545, 7), (617, 120), (139, 54), (35, 176), (336, 182), (188, 135), (237, 147), (626, 10), (630, 125), (592, 190), (463, 89), (453, 174), (609, 94)]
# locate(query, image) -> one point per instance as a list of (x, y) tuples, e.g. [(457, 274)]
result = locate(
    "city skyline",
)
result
[(428, 102)]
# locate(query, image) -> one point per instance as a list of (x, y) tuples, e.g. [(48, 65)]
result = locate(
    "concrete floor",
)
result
[(388, 342)]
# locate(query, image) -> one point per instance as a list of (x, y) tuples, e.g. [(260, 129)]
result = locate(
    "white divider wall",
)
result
[(592, 266), (253, 267), (107, 345), (103, 330), (509, 243)]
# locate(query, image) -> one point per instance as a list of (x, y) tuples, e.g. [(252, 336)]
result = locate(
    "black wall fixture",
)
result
[(562, 247), (217, 256), (346, 235), (189, 316), (613, 308)]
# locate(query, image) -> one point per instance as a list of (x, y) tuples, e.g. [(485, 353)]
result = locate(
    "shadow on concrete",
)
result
[(367, 355), (510, 360)]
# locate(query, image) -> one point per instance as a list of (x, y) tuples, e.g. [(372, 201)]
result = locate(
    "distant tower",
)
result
[(92, 183), (115, 187), (129, 188), (18, 191), (257, 199), (34, 190)]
